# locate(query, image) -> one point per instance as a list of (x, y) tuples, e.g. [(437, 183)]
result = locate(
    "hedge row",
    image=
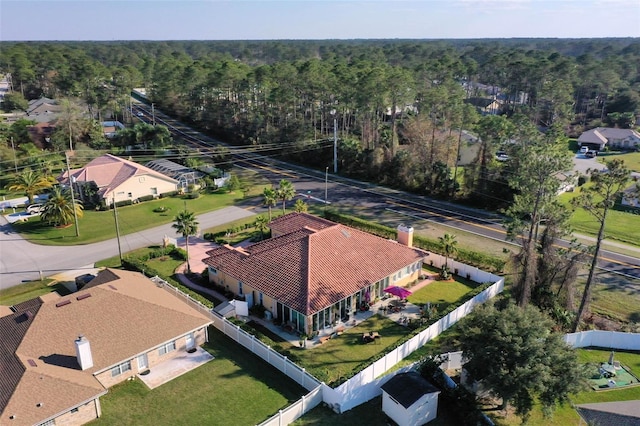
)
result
[(469, 257), (133, 264)]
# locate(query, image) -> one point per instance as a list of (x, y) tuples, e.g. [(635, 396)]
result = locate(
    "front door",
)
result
[(143, 363)]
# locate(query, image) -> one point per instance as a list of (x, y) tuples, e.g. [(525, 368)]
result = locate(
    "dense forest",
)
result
[(400, 106)]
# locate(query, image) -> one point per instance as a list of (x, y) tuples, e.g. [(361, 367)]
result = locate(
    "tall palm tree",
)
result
[(186, 224), (59, 208), (261, 225), (270, 198), (285, 192), (449, 245), (30, 182)]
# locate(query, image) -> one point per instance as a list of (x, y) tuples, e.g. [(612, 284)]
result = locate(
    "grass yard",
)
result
[(100, 225), (614, 296), (335, 359), (566, 415), (235, 388), (443, 293), (30, 290), (621, 226), (631, 159)]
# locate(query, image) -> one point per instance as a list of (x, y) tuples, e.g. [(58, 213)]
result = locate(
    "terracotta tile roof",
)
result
[(109, 172), (309, 270), (121, 317), (295, 221)]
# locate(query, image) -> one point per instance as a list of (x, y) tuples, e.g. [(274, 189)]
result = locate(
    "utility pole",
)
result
[(15, 159), (335, 145), (73, 198), (115, 217), (70, 138), (326, 179), (153, 114)]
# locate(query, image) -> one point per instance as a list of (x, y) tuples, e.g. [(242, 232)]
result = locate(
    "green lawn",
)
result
[(566, 415), (100, 225), (621, 226), (631, 159), (442, 293), (338, 357), (235, 388), (28, 291)]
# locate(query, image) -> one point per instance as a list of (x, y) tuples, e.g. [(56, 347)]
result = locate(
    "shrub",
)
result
[(168, 194), (145, 198)]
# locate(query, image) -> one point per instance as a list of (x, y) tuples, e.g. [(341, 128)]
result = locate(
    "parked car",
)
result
[(35, 208), (584, 149), (591, 154)]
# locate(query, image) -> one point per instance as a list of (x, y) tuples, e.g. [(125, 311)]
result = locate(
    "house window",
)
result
[(260, 298), (120, 369), (154, 191), (213, 270), (129, 194), (51, 422), (75, 410), (165, 349), (240, 288)]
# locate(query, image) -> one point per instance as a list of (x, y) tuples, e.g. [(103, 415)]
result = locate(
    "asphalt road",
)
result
[(22, 261), (377, 200)]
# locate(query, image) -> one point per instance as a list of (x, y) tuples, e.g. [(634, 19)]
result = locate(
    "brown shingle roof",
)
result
[(309, 270), (123, 317)]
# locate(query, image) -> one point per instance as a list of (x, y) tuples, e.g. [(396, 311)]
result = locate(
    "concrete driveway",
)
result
[(22, 261)]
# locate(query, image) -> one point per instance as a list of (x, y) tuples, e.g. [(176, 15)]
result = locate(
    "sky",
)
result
[(315, 19)]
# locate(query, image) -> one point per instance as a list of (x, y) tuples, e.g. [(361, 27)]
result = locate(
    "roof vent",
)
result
[(28, 314), (39, 404), (63, 303), (32, 363), (12, 417), (83, 296), (112, 287), (345, 233)]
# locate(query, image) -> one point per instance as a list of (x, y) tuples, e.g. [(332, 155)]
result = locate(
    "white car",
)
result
[(35, 208)]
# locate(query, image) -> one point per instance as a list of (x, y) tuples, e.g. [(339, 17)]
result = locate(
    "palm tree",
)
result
[(449, 246), (186, 224), (261, 225), (59, 208), (29, 182), (285, 192), (300, 206), (270, 198)]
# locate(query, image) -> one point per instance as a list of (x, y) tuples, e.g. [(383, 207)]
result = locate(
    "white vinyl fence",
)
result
[(604, 339), (365, 385)]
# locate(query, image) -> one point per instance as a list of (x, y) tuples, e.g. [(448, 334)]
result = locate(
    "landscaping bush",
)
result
[(168, 194), (145, 198), (124, 203)]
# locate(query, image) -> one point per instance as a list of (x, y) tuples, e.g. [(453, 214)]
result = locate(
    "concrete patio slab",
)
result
[(177, 366)]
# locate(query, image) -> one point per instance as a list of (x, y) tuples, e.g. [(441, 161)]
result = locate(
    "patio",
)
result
[(174, 367)]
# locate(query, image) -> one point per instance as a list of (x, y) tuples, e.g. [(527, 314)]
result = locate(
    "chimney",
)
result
[(405, 235), (83, 353)]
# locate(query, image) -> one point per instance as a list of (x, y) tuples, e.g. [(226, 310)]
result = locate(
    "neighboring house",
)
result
[(183, 174), (409, 399), (120, 180), (485, 106), (43, 110), (60, 354), (618, 413), (314, 273), (597, 138), (110, 128)]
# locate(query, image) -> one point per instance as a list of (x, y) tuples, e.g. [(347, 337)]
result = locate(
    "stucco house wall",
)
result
[(140, 186)]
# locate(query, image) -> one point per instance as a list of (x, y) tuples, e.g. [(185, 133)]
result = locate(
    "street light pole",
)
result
[(73, 198), (326, 179), (335, 145)]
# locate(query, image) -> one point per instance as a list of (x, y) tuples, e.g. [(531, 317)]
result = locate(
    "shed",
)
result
[(409, 399)]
